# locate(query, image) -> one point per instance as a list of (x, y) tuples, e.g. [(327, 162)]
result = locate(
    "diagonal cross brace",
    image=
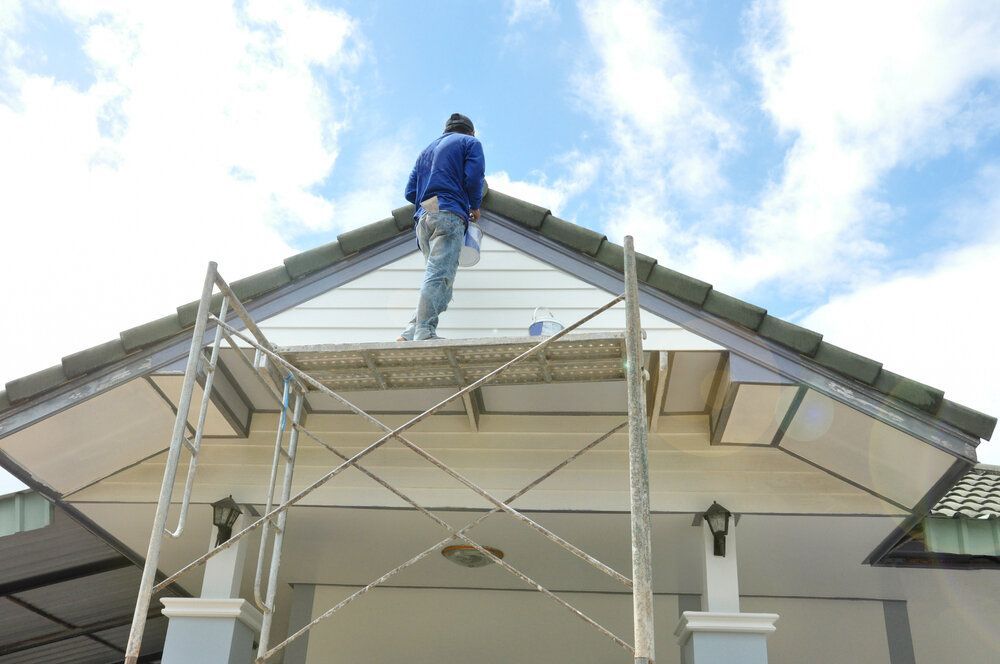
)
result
[(545, 532), (460, 534), (200, 560)]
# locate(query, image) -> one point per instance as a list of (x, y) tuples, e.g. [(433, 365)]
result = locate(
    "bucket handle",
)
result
[(534, 315)]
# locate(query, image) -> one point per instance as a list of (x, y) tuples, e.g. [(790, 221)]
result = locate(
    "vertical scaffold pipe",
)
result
[(642, 561), (170, 471)]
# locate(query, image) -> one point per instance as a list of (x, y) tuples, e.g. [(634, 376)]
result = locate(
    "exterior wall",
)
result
[(953, 615), (493, 299), (824, 631)]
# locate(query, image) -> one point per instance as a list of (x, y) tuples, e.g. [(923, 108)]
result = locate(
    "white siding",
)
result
[(495, 298)]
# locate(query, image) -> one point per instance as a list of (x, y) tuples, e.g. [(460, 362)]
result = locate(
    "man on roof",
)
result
[(446, 185)]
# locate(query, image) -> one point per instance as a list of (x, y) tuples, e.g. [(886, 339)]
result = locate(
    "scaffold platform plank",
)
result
[(455, 363)]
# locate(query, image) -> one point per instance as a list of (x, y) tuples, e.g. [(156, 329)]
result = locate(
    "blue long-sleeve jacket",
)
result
[(451, 168)]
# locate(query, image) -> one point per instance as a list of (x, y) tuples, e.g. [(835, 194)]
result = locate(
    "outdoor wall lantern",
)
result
[(224, 515), (717, 517)]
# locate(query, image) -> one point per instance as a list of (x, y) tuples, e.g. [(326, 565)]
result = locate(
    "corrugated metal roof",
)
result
[(975, 496), (66, 597), (65, 543)]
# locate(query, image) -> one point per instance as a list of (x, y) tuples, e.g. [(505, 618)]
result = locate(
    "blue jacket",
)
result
[(451, 168)]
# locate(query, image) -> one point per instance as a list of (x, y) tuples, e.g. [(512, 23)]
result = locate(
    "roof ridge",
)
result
[(594, 245)]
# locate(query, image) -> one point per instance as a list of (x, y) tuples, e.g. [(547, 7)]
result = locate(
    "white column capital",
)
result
[(203, 607), (694, 622)]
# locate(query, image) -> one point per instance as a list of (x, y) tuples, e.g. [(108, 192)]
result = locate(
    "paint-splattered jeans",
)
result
[(440, 235)]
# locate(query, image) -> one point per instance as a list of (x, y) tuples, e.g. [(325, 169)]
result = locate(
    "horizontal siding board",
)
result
[(479, 318), (484, 278), (495, 298)]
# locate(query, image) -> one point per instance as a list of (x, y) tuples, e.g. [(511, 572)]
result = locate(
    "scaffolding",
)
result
[(284, 379)]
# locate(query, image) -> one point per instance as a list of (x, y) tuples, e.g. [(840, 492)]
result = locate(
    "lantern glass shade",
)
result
[(717, 517), (225, 512)]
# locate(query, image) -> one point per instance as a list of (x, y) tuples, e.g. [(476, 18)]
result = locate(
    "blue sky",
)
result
[(838, 165)]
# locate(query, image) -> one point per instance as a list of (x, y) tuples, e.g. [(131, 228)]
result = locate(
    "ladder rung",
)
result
[(189, 445)]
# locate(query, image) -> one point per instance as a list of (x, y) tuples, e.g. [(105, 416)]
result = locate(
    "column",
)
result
[(721, 634), (219, 627)]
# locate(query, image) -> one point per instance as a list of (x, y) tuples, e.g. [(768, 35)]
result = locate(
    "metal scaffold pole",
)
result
[(642, 561), (170, 471)]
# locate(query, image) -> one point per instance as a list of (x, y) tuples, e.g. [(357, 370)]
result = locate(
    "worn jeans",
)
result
[(440, 236)]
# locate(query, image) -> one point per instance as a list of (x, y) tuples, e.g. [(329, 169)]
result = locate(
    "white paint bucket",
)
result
[(543, 323), (469, 255)]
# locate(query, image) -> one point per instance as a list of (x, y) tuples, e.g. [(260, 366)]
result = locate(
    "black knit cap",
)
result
[(459, 121)]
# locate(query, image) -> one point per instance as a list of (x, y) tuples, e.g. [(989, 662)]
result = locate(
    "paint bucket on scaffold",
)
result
[(469, 255), (543, 323)]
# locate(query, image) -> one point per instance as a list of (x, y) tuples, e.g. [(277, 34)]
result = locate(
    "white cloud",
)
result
[(669, 139), (856, 89), (555, 195), (860, 88), (937, 322), (528, 10), (664, 128), (204, 136)]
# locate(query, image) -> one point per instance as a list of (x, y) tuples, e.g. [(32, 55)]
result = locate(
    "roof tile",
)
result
[(917, 394), (404, 217), (966, 419), (679, 285), (520, 211), (4, 401), (613, 255), (150, 333), (362, 238), (36, 383), (186, 313), (80, 363), (314, 259), (975, 496), (577, 237), (847, 363), (260, 283), (788, 334), (734, 309)]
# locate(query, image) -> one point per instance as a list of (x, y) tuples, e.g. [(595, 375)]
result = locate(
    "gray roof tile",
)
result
[(4, 401), (975, 496), (520, 211), (731, 308), (679, 285), (314, 259), (150, 333), (917, 394), (186, 313), (366, 236), (613, 255), (260, 283), (847, 363), (788, 334), (100, 355), (576, 237), (404, 217), (967, 419), (28, 386)]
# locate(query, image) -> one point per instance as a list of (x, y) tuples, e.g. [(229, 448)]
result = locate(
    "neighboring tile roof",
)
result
[(975, 496), (583, 240)]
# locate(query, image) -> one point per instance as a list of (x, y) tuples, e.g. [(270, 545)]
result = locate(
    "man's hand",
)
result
[(474, 214)]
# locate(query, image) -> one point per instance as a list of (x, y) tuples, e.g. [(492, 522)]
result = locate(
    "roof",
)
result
[(67, 596), (806, 343), (975, 496)]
